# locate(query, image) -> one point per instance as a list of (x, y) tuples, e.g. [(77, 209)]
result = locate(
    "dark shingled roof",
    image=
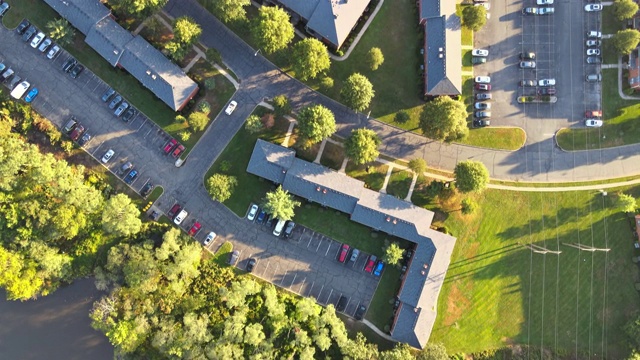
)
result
[(270, 161), (331, 19), (429, 8), (108, 39), (82, 14), (425, 276)]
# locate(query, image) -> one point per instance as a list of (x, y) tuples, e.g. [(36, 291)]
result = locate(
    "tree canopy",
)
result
[(61, 31), (444, 119), (316, 123), (392, 254), (362, 146), (229, 10), (624, 41), (474, 17), (626, 203), (624, 9), (253, 124), (418, 166), (221, 186), (198, 120), (121, 216), (186, 31), (471, 176), (139, 8), (280, 204), (272, 30), (309, 58), (375, 58), (357, 92)]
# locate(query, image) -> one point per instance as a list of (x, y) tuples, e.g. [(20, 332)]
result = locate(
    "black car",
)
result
[(251, 264), (23, 26), (76, 71), (69, 64), (342, 303), (526, 83), (108, 94), (31, 30), (269, 222), (481, 123), (289, 229), (527, 55), (84, 139), (116, 100), (360, 312), (129, 114), (146, 189)]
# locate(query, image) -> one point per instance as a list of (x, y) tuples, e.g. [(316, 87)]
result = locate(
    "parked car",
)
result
[(37, 40), (527, 64), (125, 167), (547, 91), (3, 67), (547, 82), (53, 52), (7, 74), (45, 45), (528, 55), (4, 7), (146, 189), (131, 176), (210, 237), (544, 2), (195, 228), (342, 303), (230, 108), (129, 114), (368, 267), (69, 64), (31, 95), (594, 60), (116, 100), (169, 146), (483, 114), (593, 52), (482, 105), (108, 94), (261, 216), (107, 156), (359, 315), (70, 125), (594, 34), (279, 227), (31, 30), (180, 217), (84, 139), (546, 10), (20, 89), (251, 264), (120, 110), (77, 132), (24, 24), (527, 83), (252, 212), (483, 87), (76, 71), (14, 82), (483, 79), (593, 42), (354, 255), (593, 122), (478, 60), (480, 52), (288, 230), (379, 268), (593, 113), (594, 77), (233, 259), (342, 254), (269, 222), (481, 123), (593, 7), (174, 210), (483, 96), (178, 151)]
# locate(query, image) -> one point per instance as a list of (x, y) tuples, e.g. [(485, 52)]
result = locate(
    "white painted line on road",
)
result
[(337, 252), (276, 270), (328, 248), (320, 293), (265, 269), (329, 297), (294, 279), (282, 280), (97, 86), (346, 307), (144, 122), (94, 151), (310, 238), (318, 247), (148, 132), (311, 289), (300, 289)]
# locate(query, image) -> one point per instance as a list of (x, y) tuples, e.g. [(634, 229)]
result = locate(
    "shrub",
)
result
[(469, 206), (204, 106), (184, 135), (210, 83), (225, 165), (401, 117), (326, 83), (181, 119), (213, 55), (67, 146), (268, 120)]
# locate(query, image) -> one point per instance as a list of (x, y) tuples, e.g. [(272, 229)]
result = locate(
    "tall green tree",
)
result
[(221, 186), (272, 30), (375, 58), (433, 351), (198, 120), (61, 31), (399, 352), (362, 146), (309, 58), (471, 176), (418, 166), (121, 216), (253, 124), (357, 92), (280, 204), (229, 10), (624, 41), (139, 8), (315, 123), (444, 119), (474, 17), (392, 254), (186, 31), (627, 203), (624, 9)]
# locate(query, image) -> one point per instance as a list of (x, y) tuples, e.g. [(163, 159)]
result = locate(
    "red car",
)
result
[(593, 113), (194, 229), (483, 87), (174, 210), (178, 151), (75, 135), (170, 145), (342, 255), (370, 263)]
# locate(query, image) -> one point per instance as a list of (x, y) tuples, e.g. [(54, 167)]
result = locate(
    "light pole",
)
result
[(256, 54)]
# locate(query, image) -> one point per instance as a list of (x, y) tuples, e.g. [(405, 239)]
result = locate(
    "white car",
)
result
[(544, 2), (20, 89), (480, 52), (53, 52), (594, 34), (209, 238), (252, 212), (593, 51), (593, 7), (593, 123), (37, 40), (483, 80), (107, 156), (547, 82), (45, 45), (482, 106), (180, 217), (232, 106), (593, 42)]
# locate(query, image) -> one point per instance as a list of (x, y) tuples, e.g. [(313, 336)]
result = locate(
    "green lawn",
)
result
[(373, 179), (399, 183), (380, 311), (621, 126), (332, 156), (610, 25), (497, 293)]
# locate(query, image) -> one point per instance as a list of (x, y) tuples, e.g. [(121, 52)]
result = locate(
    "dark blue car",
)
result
[(262, 216), (131, 176), (378, 269)]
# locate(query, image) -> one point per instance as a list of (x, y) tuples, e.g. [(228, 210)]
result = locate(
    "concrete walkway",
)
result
[(377, 331), (411, 188)]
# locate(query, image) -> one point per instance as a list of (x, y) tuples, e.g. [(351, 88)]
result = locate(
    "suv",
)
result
[(125, 167), (69, 65), (133, 174), (24, 24), (146, 189), (71, 124), (129, 114), (180, 217), (547, 82), (360, 312), (174, 210), (342, 303), (75, 134), (31, 30), (289, 229), (278, 229)]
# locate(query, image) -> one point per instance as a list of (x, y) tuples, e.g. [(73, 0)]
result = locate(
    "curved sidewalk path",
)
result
[(536, 162)]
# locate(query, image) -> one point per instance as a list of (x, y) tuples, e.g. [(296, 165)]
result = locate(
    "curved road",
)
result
[(540, 161)]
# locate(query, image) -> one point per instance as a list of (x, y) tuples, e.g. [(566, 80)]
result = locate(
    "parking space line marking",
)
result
[(318, 247), (276, 270), (329, 297), (328, 248), (265, 268), (300, 288), (144, 137), (310, 238), (145, 121), (346, 307), (94, 151), (282, 280), (294, 279), (311, 289), (320, 294)]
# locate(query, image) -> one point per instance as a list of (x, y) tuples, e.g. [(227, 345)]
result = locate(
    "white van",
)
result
[(19, 90), (279, 226), (178, 220)]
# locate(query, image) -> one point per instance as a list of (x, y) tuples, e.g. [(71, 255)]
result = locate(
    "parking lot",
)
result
[(558, 41)]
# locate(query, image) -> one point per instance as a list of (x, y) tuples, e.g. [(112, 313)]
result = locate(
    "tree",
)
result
[(624, 9), (433, 351), (632, 329), (375, 58), (230, 10), (326, 83), (401, 117), (280, 204), (444, 119), (418, 166), (626, 203), (61, 31), (221, 186), (474, 17), (272, 30), (253, 124), (399, 352), (392, 254), (198, 120), (316, 123), (176, 51), (309, 58), (357, 92), (469, 206), (471, 176), (281, 105), (121, 216), (362, 146), (139, 8), (214, 56), (624, 41), (186, 31)]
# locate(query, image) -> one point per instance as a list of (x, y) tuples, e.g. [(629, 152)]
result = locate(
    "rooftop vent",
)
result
[(440, 56), (441, 49), (153, 76), (324, 191), (148, 72), (388, 219)]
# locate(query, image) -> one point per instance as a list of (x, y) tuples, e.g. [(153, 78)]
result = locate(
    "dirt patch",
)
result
[(457, 304)]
